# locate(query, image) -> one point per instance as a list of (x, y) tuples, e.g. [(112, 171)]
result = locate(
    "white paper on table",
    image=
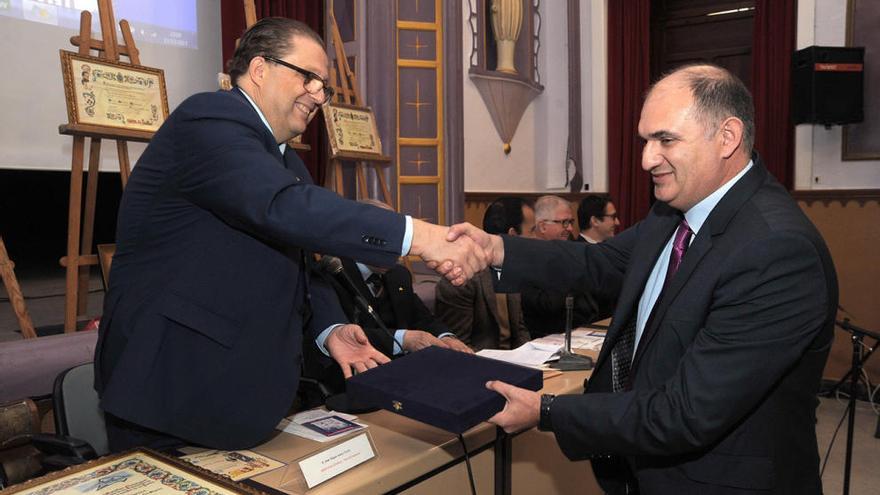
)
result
[(293, 424), (581, 338), (531, 354)]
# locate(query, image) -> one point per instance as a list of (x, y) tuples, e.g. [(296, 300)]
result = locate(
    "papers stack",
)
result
[(320, 425)]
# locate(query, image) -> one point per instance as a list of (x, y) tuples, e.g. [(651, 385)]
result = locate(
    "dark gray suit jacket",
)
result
[(202, 331), (472, 312), (725, 379)]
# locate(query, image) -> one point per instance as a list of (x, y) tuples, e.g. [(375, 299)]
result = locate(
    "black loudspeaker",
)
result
[(828, 85)]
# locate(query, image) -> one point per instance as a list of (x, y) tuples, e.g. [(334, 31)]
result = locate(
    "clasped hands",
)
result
[(458, 252)]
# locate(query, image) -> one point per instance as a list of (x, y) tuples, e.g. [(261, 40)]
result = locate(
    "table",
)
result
[(417, 458)]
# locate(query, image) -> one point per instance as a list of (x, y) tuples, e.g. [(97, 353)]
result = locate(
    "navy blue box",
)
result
[(441, 387)]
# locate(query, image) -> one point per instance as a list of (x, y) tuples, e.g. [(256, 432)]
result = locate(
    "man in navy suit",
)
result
[(708, 377), (209, 301)]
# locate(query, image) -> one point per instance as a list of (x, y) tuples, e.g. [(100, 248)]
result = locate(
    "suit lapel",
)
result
[(397, 289), (488, 292), (657, 229)]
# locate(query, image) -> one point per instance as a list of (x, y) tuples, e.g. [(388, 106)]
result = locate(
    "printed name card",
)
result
[(336, 460)]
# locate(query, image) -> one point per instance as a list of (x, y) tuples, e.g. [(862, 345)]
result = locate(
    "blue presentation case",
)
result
[(441, 387)]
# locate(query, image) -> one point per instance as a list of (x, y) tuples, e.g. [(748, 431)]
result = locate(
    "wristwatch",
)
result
[(544, 421)]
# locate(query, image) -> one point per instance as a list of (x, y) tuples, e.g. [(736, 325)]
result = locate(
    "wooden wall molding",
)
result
[(843, 195)]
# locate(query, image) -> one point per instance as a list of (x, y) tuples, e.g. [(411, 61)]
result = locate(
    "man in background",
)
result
[(597, 218), (389, 292), (554, 219), (479, 317), (544, 308)]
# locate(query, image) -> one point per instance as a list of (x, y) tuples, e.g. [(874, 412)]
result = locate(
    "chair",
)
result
[(80, 431)]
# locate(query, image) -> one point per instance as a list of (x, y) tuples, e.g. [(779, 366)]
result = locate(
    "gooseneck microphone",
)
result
[(333, 266)]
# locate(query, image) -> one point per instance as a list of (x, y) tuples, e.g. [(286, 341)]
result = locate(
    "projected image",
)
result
[(163, 22)]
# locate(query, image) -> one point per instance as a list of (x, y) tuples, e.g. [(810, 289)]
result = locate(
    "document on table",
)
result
[(296, 424), (532, 354), (581, 338)]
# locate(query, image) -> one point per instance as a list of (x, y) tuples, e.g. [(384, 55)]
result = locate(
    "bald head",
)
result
[(717, 95)]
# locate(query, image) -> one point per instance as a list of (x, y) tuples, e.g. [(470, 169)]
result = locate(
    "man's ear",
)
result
[(731, 131), (594, 222), (257, 70), (512, 231)]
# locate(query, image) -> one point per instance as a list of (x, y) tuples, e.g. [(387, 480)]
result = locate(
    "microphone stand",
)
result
[(854, 374), (569, 361)]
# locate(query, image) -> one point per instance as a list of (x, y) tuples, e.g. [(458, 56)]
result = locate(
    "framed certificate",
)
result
[(138, 472), (352, 131), (112, 94)]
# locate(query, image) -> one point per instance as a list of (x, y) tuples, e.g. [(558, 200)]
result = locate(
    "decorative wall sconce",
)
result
[(504, 66)]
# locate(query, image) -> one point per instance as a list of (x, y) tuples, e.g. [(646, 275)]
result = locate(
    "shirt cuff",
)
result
[(407, 237), (398, 337), (322, 337)]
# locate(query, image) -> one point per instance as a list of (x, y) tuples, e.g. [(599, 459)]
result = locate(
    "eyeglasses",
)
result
[(568, 222), (612, 215), (313, 83)]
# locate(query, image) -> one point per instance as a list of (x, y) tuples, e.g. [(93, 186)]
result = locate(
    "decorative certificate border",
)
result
[(352, 130), (112, 94), (137, 472)]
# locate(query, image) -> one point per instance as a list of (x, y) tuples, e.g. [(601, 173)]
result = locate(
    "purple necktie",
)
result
[(679, 246), (622, 353)]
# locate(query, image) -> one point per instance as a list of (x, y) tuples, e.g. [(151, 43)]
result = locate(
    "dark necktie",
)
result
[(679, 247), (622, 354), (374, 282)]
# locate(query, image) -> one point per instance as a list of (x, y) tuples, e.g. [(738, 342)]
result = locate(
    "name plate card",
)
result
[(336, 460)]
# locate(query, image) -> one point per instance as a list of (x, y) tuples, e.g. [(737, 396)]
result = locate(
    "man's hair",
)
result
[(504, 214), (269, 37), (591, 206), (719, 94), (546, 206)]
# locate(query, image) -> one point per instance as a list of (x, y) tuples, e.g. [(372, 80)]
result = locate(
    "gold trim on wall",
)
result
[(438, 142)]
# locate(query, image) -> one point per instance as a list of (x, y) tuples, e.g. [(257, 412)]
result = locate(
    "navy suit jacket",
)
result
[(208, 299), (725, 378)]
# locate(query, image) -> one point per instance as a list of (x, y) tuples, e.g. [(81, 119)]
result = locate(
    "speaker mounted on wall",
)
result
[(828, 85)]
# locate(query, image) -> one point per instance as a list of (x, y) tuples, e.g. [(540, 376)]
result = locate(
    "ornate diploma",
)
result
[(141, 472), (351, 130), (112, 94)]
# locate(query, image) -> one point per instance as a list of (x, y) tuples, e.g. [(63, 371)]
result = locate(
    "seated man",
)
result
[(544, 309), (480, 317), (389, 291), (597, 218)]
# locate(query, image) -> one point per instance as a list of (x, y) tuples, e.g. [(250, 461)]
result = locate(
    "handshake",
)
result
[(457, 252)]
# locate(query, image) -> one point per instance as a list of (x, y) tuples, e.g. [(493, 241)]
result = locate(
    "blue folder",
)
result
[(441, 387)]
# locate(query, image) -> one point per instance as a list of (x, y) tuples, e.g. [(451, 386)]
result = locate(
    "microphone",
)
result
[(333, 266), (569, 361)]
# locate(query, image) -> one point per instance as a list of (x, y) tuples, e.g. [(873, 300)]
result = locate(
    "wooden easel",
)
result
[(80, 224), (346, 91), (14, 291)]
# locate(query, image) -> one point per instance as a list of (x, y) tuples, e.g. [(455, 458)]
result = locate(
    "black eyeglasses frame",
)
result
[(309, 77)]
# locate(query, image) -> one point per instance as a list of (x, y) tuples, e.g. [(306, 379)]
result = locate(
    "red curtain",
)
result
[(232, 26), (629, 31), (774, 43)]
